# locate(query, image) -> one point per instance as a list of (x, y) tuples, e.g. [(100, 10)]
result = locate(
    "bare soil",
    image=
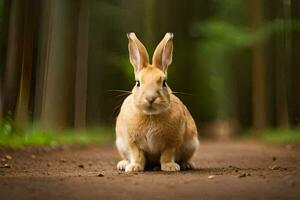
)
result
[(225, 170)]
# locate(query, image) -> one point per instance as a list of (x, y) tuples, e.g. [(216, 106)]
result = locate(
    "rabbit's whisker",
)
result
[(122, 95), (122, 91), (183, 93)]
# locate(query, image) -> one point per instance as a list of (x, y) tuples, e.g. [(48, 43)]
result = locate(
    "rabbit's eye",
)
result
[(138, 83), (164, 83)]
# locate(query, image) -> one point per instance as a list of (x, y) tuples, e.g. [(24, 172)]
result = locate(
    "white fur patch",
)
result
[(121, 144), (123, 147)]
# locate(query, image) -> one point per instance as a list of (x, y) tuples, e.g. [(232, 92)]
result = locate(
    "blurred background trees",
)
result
[(237, 60)]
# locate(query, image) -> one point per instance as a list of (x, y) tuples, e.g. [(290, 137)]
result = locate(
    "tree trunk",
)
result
[(14, 57), (258, 70), (82, 65), (3, 43), (294, 83), (57, 103), (22, 108)]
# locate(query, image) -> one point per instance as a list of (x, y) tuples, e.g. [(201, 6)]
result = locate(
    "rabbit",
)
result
[(153, 125)]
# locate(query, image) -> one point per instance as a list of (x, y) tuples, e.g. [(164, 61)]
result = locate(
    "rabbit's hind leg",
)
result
[(185, 153)]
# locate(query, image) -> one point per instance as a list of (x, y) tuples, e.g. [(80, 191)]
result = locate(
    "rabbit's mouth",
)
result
[(153, 109)]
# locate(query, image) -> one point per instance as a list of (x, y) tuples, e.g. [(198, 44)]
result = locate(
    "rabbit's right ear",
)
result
[(162, 56), (137, 52)]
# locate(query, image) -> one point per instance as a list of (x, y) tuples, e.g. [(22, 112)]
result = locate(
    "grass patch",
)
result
[(278, 136), (50, 137)]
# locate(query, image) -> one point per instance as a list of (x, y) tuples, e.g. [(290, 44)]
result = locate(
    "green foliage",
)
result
[(228, 34), (277, 136), (223, 47), (6, 126), (281, 136), (36, 136)]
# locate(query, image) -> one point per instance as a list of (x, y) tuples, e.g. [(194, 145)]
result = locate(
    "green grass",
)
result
[(50, 137), (277, 136)]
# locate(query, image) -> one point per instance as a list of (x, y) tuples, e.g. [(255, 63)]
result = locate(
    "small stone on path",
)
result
[(8, 157), (81, 166), (211, 177)]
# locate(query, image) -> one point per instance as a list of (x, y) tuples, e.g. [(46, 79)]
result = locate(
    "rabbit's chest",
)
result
[(151, 140)]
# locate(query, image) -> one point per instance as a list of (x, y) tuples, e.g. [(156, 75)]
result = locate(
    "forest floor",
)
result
[(225, 170)]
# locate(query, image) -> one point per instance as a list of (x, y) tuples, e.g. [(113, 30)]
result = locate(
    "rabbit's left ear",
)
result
[(163, 53), (138, 54)]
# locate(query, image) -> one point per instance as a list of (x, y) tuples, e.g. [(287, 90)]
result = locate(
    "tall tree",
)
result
[(294, 71), (57, 65), (13, 56), (4, 14), (82, 65), (30, 22), (259, 118)]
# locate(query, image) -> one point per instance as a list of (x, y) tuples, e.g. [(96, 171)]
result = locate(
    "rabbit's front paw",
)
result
[(122, 164), (170, 167), (134, 167)]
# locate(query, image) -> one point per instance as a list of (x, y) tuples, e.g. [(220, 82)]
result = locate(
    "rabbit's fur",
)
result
[(153, 125)]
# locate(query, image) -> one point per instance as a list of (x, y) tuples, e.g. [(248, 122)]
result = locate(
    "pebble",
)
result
[(81, 166), (211, 177), (262, 176), (241, 175), (274, 167), (100, 175), (8, 157), (6, 165)]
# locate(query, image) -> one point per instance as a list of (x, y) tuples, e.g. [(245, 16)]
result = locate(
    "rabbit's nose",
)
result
[(151, 99)]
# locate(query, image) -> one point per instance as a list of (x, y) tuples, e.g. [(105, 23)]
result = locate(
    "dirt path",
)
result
[(226, 170)]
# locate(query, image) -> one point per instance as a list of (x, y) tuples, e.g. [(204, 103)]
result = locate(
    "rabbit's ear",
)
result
[(162, 56), (137, 52)]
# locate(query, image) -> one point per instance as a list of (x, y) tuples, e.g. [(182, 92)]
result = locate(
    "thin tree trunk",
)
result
[(3, 43), (294, 83), (258, 70), (22, 108), (14, 57), (282, 61), (57, 105), (149, 23), (82, 65)]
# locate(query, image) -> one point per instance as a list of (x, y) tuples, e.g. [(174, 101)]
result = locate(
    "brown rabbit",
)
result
[(153, 125)]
